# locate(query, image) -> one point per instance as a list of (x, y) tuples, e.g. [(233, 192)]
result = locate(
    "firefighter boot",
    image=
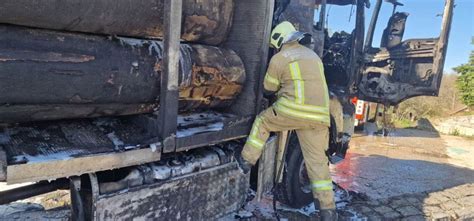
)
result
[(244, 165), (328, 215)]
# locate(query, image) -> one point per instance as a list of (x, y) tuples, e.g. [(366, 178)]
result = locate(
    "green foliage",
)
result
[(455, 132), (465, 82), (403, 123), (429, 107)]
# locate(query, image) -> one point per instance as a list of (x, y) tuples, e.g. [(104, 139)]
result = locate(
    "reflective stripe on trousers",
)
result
[(321, 185), (253, 139), (313, 140)]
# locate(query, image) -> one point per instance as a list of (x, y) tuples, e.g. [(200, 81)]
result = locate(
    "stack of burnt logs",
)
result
[(89, 58)]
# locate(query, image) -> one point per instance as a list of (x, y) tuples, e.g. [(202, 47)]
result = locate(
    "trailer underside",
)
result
[(45, 151)]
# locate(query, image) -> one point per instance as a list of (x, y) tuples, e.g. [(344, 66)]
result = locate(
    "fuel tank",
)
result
[(206, 22), (46, 75)]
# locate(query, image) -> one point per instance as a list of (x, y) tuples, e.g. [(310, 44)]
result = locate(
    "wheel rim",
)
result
[(304, 179)]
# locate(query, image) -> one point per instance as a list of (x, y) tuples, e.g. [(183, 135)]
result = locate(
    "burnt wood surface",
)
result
[(89, 76), (205, 22)]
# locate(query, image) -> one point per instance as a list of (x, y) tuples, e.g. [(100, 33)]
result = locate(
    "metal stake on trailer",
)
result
[(168, 112)]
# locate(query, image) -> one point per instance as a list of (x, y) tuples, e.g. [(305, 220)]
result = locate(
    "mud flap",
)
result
[(270, 162), (3, 165), (266, 168), (205, 195)]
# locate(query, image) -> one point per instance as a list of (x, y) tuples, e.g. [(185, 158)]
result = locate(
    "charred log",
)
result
[(25, 192), (48, 75), (203, 21), (25, 112)]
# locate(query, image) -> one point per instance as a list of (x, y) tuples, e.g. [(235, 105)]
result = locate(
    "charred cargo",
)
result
[(206, 22), (47, 75)]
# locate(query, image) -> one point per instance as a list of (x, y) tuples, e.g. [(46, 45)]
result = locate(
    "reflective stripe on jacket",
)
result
[(297, 73)]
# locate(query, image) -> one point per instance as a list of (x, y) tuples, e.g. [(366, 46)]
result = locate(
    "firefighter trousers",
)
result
[(314, 140)]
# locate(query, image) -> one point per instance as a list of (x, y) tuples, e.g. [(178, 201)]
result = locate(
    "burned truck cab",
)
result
[(395, 71), (403, 68)]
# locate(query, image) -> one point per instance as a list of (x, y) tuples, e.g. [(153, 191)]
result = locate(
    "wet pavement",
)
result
[(407, 161), (408, 175)]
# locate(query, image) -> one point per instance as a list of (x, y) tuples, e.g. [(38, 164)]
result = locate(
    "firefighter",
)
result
[(296, 75)]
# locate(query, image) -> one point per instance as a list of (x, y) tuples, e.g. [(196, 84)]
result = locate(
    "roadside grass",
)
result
[(424, 124), (404, 124), (456, 133)]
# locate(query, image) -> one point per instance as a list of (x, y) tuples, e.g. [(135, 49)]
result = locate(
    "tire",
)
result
[(294, 190)]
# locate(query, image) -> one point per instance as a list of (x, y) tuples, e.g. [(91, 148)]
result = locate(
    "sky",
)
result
[(423, 22)]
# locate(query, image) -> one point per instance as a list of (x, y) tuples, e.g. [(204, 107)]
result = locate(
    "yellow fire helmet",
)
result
[(280, 33)]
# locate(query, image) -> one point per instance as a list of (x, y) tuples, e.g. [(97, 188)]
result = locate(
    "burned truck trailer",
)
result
[(87, 101)]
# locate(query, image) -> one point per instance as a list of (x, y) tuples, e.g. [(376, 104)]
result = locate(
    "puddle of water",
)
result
[(457, 151)]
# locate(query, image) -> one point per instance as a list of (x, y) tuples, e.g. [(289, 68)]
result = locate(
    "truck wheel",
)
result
[(295, 189)]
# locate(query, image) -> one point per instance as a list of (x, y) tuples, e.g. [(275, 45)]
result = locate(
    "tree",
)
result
[(465, 82), (426, 106)]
